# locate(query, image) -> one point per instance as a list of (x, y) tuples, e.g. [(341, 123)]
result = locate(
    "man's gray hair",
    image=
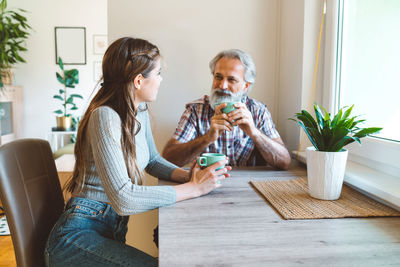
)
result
[(247, 61)]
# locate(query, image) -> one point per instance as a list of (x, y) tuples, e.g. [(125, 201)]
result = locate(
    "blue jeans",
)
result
[(90, 233)]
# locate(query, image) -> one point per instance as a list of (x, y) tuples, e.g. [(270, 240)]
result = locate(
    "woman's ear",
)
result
[(137, 81)]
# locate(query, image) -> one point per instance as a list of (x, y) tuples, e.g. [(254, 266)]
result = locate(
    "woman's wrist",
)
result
[(186, 191)]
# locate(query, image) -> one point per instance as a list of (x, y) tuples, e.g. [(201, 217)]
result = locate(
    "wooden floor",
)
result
[(7, 257)]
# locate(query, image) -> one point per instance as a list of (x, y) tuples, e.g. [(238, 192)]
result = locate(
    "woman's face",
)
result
[(149, 87)]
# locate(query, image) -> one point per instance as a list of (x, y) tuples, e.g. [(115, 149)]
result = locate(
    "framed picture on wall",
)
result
[(97, 71), (71, 45), (99, 44)]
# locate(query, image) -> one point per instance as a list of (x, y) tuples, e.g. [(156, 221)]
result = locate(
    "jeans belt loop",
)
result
[(107, 210)]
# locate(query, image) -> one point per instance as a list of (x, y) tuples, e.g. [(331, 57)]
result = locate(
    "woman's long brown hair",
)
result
[(123, 61)]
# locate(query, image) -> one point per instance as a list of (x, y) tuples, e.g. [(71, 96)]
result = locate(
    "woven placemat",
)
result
[(291, 199)]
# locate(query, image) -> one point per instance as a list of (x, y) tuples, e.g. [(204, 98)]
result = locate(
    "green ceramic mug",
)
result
[(229, 107), (208, 159)]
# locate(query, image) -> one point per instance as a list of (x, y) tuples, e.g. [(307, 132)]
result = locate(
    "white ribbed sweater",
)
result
[(107, 178)]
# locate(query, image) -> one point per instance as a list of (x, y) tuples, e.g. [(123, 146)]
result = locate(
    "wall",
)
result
[(37, 76), (298, 41), (190, 34), (290, 68)]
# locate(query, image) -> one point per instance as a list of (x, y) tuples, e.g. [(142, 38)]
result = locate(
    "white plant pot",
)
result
[(325, 172)]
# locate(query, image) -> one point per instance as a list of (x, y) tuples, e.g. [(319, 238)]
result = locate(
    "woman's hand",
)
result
[(206, 180), (202, 181)]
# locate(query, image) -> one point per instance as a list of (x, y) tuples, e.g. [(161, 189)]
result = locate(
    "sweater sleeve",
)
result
[(157, 166), (104, 134)]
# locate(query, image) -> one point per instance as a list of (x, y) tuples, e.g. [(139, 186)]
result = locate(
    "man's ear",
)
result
[(138, 81), (246, 87)]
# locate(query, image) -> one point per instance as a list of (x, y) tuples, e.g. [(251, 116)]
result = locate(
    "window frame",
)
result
[(377, 153)]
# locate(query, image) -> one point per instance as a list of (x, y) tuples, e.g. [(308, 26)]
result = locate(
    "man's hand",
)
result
[(219, 123), (243, 118)]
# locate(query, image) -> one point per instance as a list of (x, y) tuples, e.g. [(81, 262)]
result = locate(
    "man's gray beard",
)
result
[(215, 99)]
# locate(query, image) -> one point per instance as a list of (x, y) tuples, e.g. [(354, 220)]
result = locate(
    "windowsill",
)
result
[(377, 185)]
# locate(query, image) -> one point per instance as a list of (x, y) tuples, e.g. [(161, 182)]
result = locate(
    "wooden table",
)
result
[(234, 226)]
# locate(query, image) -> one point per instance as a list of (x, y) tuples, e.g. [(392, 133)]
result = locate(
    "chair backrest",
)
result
[(31, 194)]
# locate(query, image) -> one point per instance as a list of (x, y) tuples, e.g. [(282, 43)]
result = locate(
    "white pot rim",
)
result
[(313, 149)]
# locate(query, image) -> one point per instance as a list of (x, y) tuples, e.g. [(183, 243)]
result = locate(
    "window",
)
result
[(370, 63), (363, 56)]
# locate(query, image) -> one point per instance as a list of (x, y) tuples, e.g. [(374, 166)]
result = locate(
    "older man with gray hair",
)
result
[(246, 135)]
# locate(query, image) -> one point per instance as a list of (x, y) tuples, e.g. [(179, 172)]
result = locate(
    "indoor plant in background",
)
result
[(13, 34), (68, 78), (326, 161)]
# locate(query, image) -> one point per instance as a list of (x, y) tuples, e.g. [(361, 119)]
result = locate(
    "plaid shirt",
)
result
[(237, 145)]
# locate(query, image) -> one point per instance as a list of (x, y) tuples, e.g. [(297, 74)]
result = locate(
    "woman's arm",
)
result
[(158, 166), (126, 198)]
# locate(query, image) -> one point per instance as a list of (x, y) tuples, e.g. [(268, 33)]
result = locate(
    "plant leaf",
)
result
[(3, 5), (319, 117), (310, 119), (76, 95), (318, 138), (59, 78), (336, 118), (351, 139), (347, 113), (60, 63), (339, 135), (308, 134), (70, 100), (327, 115), (58, 97), (367, 131)]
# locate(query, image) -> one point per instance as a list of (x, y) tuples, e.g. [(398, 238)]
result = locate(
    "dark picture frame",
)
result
[(70, 45)]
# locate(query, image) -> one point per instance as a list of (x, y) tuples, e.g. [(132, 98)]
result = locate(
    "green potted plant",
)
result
[(68, 78), (13, 34), (326, 160)]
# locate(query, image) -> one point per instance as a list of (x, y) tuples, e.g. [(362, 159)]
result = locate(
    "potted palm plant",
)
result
[(68, 78), (13, 34), (326, 160)]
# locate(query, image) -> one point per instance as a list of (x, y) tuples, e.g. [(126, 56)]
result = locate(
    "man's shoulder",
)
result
[(199, 103), (255, 104)]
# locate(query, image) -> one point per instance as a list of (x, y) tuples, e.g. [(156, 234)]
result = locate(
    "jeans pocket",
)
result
[(85, 211), (81, 217)]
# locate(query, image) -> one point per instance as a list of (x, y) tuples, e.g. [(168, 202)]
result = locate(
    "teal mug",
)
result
[(229, 107), (208, 159)]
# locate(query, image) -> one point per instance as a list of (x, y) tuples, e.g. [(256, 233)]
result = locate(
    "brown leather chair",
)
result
[(31, 195)]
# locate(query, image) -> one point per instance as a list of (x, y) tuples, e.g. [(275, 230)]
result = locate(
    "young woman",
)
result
[(114, 145)]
